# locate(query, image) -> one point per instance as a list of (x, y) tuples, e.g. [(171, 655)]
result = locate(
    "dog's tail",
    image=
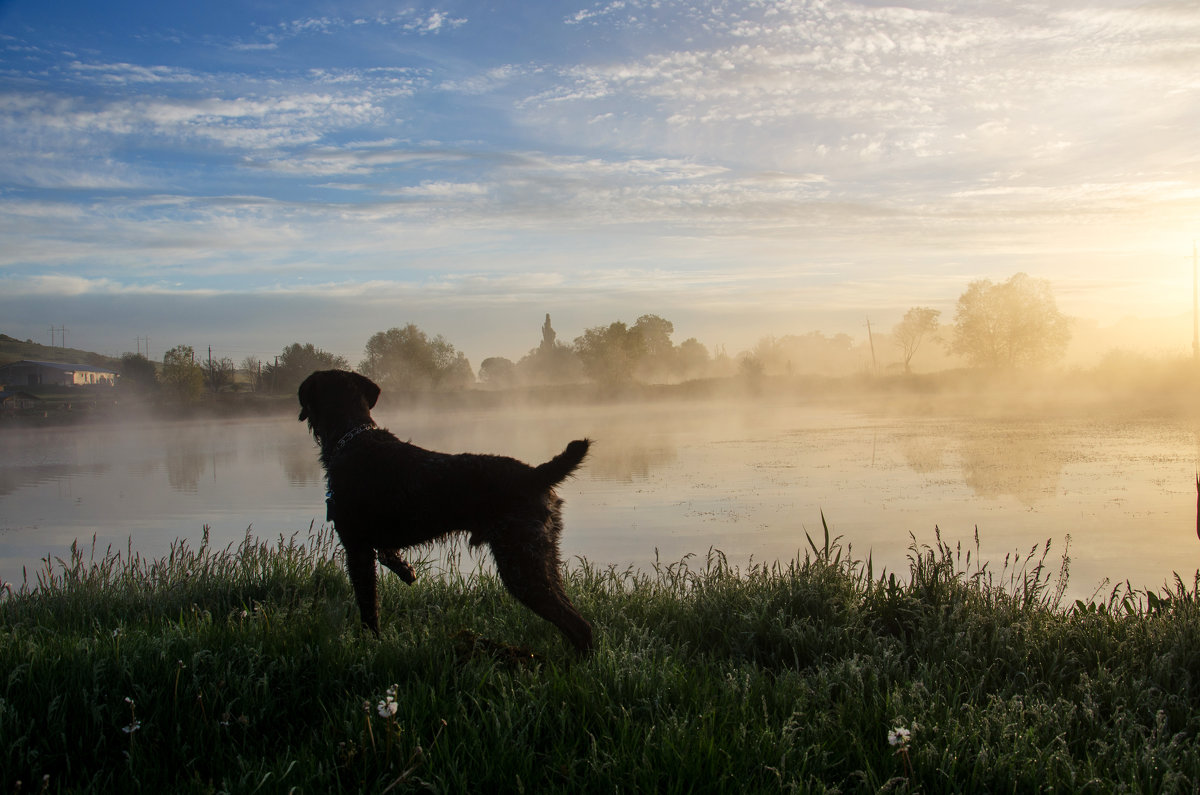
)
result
[(559, 468)]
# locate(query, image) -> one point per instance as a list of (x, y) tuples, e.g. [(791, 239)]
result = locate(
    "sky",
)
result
[(249, 175)]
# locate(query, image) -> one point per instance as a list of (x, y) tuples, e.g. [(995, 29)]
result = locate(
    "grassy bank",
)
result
[(244, 670)]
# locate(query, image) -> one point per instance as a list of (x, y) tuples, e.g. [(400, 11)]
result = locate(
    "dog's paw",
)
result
[(399, 565)]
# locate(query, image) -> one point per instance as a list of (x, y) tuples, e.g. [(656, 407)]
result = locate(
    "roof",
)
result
[(66, 368)]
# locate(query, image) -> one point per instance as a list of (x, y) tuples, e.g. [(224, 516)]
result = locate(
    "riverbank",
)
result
[(244, 670)]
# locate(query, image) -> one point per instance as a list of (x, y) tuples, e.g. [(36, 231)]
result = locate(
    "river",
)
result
[(663, 481)]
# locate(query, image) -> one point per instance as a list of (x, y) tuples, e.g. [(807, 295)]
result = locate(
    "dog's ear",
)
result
[(306, 396), (368, 388)]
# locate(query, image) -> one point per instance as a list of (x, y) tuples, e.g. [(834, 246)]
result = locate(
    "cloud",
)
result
[(421, 22)]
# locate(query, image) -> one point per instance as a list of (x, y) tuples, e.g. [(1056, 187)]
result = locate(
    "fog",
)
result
[(747, 469)]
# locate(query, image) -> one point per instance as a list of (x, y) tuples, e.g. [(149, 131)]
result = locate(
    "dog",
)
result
[(385, 495)]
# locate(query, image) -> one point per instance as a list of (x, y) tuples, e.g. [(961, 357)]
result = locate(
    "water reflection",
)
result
[(1023, 462)]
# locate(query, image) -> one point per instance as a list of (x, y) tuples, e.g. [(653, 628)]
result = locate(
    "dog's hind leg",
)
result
[(391, 558), (527, 561), (360, 563)]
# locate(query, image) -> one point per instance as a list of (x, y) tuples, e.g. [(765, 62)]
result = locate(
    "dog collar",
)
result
[(350, 434)]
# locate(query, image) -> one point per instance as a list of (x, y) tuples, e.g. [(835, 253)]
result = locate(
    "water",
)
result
[(662, 480)]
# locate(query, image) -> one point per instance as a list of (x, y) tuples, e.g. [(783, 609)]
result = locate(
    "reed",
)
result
[(244, 670)]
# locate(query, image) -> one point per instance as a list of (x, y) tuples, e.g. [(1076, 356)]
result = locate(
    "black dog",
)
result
[(385, 495)]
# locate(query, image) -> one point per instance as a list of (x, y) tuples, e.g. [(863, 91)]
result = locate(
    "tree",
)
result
[(138, 373), (610, 353), (252, 367), (918, 324), (693, 359), (498, 372), (1008, 325), (551, 362), (180, 375), (406, 359), (812, 352), (295, 363), (219, 373), (659, 357)]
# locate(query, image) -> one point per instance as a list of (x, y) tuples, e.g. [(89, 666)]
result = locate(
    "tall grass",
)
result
[(244, 670)]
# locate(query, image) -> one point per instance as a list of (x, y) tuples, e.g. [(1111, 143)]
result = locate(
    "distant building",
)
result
[(11, 401), (27, 373)]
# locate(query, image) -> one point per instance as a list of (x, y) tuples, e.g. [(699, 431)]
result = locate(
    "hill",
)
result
[(13, 350)]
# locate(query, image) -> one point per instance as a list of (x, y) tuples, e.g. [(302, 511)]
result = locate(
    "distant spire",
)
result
[(548, 335)]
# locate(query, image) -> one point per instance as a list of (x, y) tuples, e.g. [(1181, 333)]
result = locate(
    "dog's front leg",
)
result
[(360, 563)]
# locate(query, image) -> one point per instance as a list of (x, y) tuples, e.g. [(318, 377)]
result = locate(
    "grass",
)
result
[(244, 670)]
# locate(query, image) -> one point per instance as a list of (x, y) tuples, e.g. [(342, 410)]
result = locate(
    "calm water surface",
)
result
[(662, 479)]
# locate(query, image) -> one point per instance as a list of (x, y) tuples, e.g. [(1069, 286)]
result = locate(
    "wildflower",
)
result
[(899, 736), (134, 723), (387, 707)]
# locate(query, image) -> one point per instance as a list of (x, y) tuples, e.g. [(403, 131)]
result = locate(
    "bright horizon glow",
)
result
[(259, 176)]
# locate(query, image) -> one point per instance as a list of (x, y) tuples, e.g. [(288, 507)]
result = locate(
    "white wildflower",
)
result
[(387, 708)]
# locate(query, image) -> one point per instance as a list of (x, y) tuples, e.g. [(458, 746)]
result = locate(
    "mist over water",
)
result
[(665, 479)]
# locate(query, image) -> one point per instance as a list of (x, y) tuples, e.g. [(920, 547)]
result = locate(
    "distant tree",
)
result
[(659, 360), (295, 363), (138, 373), (1008, 325), (918, 324), (498, 372), (750, 368), (252, 367), (549, 335), (551, 362), (180, 375), (218, 373), (406, 359), (610, 353), (812, 352), (693, 359)]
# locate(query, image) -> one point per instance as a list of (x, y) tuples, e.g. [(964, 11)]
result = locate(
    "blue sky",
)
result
[(250, 175)]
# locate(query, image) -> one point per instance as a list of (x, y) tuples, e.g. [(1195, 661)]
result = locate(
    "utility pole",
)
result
[(211, 383), (1195, 315), (871, 339)]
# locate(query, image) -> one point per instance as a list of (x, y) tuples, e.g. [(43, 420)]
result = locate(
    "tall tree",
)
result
[(660, 357), (406, 359), (138, 373), (1008, 325), (610, 353), (180, 375), (552, 362), (294, 363), (918, 324)]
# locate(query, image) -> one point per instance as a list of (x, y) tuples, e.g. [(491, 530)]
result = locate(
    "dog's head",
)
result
[(336, 394)]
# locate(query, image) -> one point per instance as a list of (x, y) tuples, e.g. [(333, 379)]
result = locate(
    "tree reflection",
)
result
[(1023, 461)]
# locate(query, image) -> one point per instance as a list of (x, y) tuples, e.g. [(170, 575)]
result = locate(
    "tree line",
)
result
[(1008, 325)]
